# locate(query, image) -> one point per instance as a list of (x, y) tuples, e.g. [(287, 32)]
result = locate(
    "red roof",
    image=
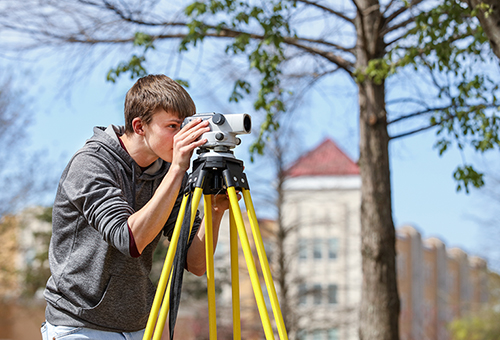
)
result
[(325, 160)]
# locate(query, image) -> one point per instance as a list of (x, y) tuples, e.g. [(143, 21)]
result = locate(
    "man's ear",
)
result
[(138, 126)]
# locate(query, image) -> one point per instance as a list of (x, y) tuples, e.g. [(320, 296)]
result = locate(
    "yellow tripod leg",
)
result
[(235, 276), (194, 207), (166, 301), (278, 317), (160, 326), (165, 273), (167, 266), (209, 255), (252, 270)]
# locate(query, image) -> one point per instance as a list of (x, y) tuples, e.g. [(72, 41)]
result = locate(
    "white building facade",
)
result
[(322, 200)]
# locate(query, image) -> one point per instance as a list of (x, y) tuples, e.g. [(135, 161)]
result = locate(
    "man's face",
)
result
[(160, 132)]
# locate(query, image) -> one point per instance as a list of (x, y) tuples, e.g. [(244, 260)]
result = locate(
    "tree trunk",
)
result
[(490, 23), (379, 308)]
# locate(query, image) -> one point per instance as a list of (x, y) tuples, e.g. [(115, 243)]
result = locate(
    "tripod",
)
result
[(212, 173)]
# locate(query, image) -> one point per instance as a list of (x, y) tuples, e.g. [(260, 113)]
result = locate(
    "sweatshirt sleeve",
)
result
[(96, 192)]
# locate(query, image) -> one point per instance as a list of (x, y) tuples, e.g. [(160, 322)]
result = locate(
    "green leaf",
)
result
[(142, 39), (182, 82), (465, 176), (134, 66)]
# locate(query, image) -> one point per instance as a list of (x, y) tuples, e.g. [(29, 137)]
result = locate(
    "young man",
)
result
[(116, 197)]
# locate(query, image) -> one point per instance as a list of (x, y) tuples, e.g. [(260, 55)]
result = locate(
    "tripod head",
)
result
[(213, 172)]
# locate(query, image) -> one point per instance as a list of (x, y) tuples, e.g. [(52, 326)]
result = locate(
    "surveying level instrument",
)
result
[(216, 170)]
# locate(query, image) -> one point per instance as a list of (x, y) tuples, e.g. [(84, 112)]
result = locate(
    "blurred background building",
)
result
[(24, 269), (319, 275), (323, 270)]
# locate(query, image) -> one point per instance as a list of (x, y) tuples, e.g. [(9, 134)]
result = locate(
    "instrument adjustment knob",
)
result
[(219, 136), (218, 119)]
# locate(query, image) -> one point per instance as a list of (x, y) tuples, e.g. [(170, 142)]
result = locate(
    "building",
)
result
[(321, 250), (322, 199), (436, 285), (322, 207), (23, 236)]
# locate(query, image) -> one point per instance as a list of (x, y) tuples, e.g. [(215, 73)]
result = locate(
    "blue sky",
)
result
[(424, 192)]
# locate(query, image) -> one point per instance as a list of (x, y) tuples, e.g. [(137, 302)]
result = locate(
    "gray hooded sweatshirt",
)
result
[(95, 282)]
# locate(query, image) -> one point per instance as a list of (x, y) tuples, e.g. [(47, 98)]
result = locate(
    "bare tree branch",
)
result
[(435, 109), (327, 9), (362, 28), (400, 11), (402, 24), (416, 114), (406, 100), (388, 7), (409, 133), (326, 43), (387, 44), (336, 59)]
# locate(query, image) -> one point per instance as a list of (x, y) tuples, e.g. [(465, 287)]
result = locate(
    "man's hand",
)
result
[(186, 140), (220, 202), (196, 261)]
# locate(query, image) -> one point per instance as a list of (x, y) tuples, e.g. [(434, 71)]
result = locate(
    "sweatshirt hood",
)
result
[(107, 138)]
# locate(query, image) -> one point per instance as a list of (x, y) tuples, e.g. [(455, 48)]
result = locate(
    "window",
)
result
[(317, 294), (317, 334), (302, 249), (302, 294), (332, 294), (333, 248), (268, 247), (332, 334), (267, 299), (317, 251)]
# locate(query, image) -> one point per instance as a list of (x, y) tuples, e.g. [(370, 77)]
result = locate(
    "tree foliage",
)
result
[(416, 64), (482, 324), (444, 40), (452, 47), (479, 327), (309, 39)]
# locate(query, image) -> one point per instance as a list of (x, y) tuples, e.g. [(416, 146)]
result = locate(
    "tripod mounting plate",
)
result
[(215, 173)]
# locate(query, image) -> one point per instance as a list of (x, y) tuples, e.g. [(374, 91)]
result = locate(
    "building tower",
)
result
[(322, 200)]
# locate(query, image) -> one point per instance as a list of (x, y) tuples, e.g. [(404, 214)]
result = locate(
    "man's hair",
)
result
[(154, 92)]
